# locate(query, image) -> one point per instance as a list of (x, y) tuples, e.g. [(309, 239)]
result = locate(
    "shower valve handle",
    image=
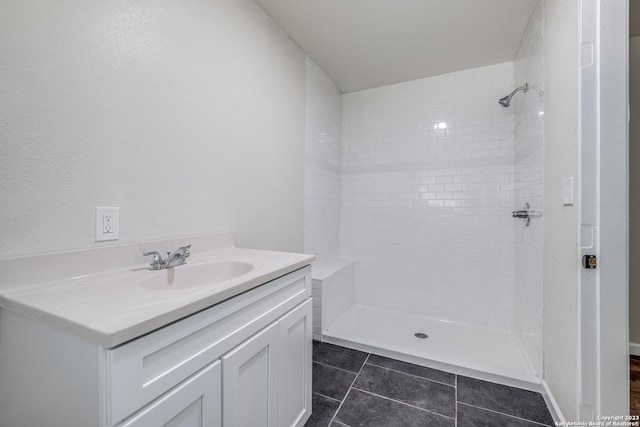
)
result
[(526, 214)]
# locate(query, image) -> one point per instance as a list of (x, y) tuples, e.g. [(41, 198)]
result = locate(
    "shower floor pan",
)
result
[(491, 354)]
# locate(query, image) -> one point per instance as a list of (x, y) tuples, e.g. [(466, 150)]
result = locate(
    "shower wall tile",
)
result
[(529, 180), (322, 165), (426, 206)]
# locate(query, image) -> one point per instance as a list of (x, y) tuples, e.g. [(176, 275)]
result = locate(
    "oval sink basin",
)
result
[(196, 275)]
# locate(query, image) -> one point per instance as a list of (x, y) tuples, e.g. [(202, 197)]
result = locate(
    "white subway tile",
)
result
[(453, 237)]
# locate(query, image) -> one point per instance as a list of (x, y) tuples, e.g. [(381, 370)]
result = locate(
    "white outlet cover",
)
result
[(102, 229)]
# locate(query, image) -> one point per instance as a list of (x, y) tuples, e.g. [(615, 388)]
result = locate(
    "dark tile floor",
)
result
[(634, 386), (356, 389)]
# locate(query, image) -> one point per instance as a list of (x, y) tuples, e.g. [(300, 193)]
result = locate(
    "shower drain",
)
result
[(421, 335)]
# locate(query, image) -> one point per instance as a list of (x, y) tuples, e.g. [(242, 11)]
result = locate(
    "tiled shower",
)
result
[(427, 193), (415, 182)]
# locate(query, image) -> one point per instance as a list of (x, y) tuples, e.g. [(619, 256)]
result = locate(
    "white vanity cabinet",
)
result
[(251, 381), (245, 362), (194, 403), (267, 378)]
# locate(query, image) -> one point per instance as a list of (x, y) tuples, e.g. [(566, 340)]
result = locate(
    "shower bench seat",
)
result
[(333, 293)]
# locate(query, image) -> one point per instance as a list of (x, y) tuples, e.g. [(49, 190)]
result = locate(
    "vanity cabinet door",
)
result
[(194, 403), (295, 366), (250, 381)]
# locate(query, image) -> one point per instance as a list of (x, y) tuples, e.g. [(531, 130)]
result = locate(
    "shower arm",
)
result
[(506, 101), (524, 88)]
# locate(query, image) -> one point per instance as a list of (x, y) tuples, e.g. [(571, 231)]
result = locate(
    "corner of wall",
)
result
[(561, 158), (552, 404)]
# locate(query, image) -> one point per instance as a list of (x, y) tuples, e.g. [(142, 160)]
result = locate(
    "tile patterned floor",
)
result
[(356, 389)]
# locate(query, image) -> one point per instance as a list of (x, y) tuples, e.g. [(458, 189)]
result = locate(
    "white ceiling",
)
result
[(363, 44)]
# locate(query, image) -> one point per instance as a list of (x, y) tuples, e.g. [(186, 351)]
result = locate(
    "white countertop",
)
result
[(110, 308)]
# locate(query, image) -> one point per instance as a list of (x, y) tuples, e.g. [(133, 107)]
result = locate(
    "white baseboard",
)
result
[(556, 413), (634, 349)]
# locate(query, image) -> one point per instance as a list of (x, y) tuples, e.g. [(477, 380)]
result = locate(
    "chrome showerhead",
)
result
[(506, 101)]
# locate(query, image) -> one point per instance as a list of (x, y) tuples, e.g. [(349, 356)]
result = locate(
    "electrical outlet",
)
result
[(107, 224)]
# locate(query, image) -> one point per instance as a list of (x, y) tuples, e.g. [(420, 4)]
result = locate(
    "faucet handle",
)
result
[(183, 252), (186, 253), (156, 261)]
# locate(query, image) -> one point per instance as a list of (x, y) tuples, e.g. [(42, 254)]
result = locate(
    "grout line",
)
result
[(328, 397), (349, 390), (455, 381), (403, 403), (341, 369), (411, 375), (506, 415)]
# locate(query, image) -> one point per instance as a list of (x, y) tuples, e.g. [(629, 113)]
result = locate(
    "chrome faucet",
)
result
[(175, 258)]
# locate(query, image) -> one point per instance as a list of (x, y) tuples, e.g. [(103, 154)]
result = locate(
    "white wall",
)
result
[(426, 213), (187, 115), (323, 141), (561, 159), (529, 187), (634, 189)]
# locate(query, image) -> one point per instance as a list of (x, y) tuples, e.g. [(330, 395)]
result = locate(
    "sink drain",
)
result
[(421, 335)]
